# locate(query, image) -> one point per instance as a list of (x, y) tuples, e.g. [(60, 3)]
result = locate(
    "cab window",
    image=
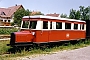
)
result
[(33, 24), (25, 24)]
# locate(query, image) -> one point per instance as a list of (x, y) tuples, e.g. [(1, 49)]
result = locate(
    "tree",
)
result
[(63, 15), (18, 16), (72, 14), (27, 12), (82, 13), (77, 15)]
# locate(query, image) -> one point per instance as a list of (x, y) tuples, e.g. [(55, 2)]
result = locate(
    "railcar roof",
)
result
[(50, 17)]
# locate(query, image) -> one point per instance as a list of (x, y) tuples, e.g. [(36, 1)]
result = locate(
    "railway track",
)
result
[(4, 37)]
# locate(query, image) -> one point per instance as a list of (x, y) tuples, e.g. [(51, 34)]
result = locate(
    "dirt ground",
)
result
[(77, 54)]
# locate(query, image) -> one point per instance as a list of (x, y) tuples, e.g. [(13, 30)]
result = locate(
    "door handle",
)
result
[(41, 32)]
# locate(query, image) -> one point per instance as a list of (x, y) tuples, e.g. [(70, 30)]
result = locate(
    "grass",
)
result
[(33, 51), (3, 47), (7, 31)]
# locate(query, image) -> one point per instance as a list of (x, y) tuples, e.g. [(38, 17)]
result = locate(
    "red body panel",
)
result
[(24, 36), (44, 36), (66, 35), (58, 35)]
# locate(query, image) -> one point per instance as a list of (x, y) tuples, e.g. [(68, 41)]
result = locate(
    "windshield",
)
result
[(29, 24), (25, 24)]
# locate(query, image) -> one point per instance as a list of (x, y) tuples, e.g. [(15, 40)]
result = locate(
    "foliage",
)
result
[(18, 16), (77, 15), (74, 14), (7, 30), (63, 15), (3, 47), (82, 13), (20, 13)]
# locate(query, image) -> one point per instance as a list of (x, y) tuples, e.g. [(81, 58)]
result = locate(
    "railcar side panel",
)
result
[(58, 35)]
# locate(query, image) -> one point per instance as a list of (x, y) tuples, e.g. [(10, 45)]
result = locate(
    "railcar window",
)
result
[(33, 24), (67, 25), (50, 25), (58, 25), (45, 24), (75, 26), (25, 24), (82, 26)]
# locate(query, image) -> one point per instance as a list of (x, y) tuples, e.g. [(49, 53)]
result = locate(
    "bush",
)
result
[(7, 30)]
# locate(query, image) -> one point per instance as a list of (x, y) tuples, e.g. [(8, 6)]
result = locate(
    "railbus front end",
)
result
[(26, 35)]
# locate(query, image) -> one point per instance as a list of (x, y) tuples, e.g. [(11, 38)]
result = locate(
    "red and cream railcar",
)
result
[(44, 29)]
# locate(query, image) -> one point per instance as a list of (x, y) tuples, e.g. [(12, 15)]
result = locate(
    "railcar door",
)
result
[(55, 33), (41, 34)]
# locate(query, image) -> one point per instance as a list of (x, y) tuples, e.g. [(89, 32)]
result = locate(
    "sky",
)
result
[(47, 6)]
